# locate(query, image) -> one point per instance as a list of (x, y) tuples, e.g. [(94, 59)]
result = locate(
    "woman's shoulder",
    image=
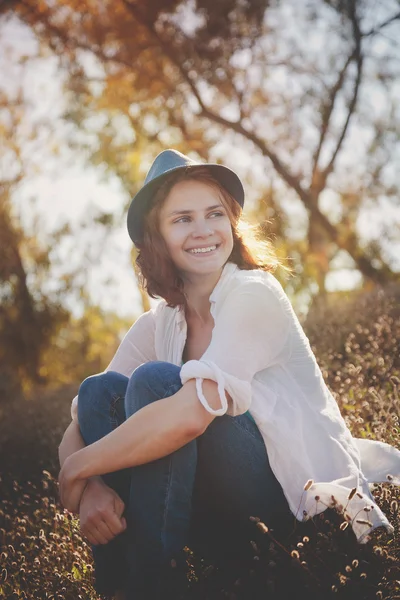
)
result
[(257, 291), (256, 280), (163, 313), (158, 308), (151, 316)]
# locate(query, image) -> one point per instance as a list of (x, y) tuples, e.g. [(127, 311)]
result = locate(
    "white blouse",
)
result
[(261, 356)]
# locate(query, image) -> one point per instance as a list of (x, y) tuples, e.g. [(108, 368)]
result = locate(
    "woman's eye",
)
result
[(186, 218), (182, 220)]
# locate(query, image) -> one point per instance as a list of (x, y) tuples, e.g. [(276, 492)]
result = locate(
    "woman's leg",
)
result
[(234, 481), (159, 511), (100, 410)]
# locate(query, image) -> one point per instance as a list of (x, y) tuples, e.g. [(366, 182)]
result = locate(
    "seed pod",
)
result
[(351, 495), (364, 522), (262, 527), (254, 546)]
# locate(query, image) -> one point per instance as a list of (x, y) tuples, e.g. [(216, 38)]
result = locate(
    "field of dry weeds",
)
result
[(42, 554)]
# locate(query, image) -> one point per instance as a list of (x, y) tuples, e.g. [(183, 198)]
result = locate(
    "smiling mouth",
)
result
[(205, 250)]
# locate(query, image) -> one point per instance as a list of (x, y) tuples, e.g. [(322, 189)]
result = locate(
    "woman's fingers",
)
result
[(113, 524), (101, 512), (94, 536), (119, 506), (98, 535), (101, 528)]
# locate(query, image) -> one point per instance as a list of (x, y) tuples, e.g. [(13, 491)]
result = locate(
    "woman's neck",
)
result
[(198, 292)]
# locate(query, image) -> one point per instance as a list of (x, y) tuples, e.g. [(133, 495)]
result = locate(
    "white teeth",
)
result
[(202, 250)]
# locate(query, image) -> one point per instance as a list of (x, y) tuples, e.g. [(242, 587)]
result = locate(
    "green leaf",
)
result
[(76, 573)]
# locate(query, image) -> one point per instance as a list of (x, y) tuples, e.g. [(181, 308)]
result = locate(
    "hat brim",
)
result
[(141, 202)]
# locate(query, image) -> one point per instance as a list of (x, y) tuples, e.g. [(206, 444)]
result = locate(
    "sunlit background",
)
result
[(301, 99)]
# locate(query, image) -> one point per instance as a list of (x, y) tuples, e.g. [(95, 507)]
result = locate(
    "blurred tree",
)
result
[(27, 314), (41, 343), (82, 346), (309, 88)]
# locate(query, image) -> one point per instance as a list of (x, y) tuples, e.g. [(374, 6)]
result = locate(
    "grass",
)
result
[(42, 554)]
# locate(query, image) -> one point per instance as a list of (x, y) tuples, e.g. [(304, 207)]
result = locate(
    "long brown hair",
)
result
[(158, 274)]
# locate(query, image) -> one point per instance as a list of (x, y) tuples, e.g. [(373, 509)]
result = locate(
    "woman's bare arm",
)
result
[(71, 442), (153, 432), (100, 508)]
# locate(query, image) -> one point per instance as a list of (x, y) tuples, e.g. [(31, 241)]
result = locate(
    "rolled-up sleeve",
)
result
[(251, 333), (136, 348)]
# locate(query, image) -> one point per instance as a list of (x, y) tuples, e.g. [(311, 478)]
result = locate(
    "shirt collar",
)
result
[(228, 270)]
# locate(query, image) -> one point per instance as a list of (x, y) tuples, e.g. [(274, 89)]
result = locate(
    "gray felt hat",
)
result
[(165, 163)]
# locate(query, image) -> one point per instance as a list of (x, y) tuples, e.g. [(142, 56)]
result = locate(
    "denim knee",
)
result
[(151, 381), (97, 394)]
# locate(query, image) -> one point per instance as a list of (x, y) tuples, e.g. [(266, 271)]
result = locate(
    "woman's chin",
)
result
[(206, 267)]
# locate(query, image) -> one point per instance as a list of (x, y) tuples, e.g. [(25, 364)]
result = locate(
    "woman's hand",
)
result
[(101, 512), (71, 486)]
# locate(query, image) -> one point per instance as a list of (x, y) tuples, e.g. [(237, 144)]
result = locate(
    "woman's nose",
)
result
[(202, 229)]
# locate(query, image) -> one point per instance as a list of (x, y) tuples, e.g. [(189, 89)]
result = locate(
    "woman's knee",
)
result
[(98, 392), (151, 381)]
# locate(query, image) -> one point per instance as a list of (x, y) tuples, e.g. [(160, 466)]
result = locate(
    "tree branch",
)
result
[(209, 114), (378, 28), (358, 57), (327, 113)]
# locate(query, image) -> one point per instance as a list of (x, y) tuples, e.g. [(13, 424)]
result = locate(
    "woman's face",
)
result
[(196, 228)]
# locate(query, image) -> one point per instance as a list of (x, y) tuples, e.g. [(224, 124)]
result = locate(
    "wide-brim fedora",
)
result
[(167, 162)]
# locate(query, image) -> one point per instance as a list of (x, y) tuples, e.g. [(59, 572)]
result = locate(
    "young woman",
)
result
[(213, 409)]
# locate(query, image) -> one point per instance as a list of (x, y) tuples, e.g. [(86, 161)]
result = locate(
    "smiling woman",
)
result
[(190, 210), (196, 229), (213, 409)]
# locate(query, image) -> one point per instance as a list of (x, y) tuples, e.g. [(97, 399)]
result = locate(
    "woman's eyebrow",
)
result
[(187, 212)]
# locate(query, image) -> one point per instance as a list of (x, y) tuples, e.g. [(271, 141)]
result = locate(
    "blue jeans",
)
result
[(200, 496)]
